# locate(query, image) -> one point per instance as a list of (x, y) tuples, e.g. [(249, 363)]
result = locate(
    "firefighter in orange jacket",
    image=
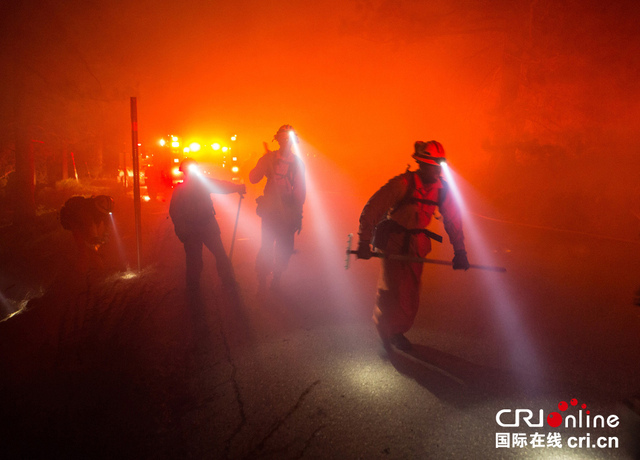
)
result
[(280, 207), (195, 224), (396, 217)]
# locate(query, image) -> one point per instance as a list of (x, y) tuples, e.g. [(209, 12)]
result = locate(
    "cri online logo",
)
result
[(555, 419)]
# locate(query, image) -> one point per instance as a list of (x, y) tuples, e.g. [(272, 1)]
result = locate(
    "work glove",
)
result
[(460, 261), (364, 250), (242, 189)]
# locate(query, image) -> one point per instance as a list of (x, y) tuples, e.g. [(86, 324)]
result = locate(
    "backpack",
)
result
[(387, 226), (264, 204), (410, 199)]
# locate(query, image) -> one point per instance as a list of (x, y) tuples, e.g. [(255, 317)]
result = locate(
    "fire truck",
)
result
[(217, 158)]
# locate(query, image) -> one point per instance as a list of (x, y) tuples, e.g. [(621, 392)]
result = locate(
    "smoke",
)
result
[(527, 99)]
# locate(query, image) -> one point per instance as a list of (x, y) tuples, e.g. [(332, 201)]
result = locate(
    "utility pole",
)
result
[(136, 176)]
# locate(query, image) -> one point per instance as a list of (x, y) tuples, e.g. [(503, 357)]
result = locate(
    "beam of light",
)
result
[(296, 147), (10, 308), (118, 240), (330, 243), (506, 310), (196, 173), (370, 378), (294, 141), (225, 204), (128, 274)]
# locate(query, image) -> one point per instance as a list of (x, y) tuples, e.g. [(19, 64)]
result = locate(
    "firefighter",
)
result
[(394, 221), (280, 206), (89, 221), (195, 224)]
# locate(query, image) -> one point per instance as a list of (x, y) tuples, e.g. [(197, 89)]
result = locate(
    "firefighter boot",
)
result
[(400, 342)]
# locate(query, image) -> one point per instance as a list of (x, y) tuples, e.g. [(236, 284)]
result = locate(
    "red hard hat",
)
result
[(431, 152), (285, 130)]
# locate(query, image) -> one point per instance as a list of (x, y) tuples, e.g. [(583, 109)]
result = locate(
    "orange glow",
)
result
[(510, 105), (536, 104)]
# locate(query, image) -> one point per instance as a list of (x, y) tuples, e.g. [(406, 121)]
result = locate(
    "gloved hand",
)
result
[(242, 189), (364, 250), (460, 261)]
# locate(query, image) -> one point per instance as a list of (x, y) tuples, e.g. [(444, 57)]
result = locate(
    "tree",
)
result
[(52, 90)]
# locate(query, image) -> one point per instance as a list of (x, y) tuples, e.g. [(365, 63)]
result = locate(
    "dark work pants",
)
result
[(276, 246), (209, 236)]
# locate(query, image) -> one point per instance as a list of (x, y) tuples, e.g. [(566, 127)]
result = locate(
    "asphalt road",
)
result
[(117, 367)]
